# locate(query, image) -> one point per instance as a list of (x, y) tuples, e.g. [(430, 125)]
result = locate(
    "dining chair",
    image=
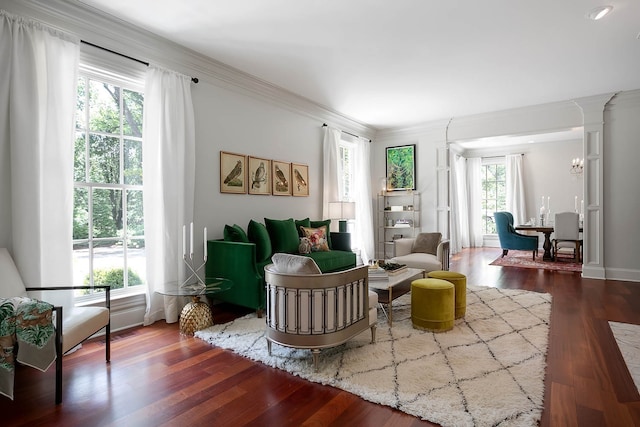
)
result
[(567, 235)]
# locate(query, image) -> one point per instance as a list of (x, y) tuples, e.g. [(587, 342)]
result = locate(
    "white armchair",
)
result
[(404, 254), (72, 327), (310, 310)]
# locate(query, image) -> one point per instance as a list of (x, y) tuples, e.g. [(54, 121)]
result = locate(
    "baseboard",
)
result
[(623, 274)]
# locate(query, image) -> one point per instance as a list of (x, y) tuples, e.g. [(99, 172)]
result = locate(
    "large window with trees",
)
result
[(108, 226), (494, 191)]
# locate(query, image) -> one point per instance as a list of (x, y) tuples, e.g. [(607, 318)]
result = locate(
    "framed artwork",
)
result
[(233, 173), (281, 173), (401, 167), (259, 176), (299, 179)]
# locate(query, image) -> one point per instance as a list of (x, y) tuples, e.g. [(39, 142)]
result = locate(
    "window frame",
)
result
[(104, 67), (489, 161)]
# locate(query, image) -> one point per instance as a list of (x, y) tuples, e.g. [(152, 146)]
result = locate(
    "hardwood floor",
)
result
[(158, 377)]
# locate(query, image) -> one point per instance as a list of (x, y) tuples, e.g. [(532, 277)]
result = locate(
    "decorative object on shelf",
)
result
[(189, 261), (401, 167), (233, 173), (577, 166), (260, 178), (398, 212), (300, 179), (281, 178), (342, 211)]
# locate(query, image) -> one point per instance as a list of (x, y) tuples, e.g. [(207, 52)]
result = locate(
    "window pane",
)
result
[(137, 263), (108, 263), (79, 158), (132, 162), (132, 113), (80, 266), (135, 219), (104, 158), (81, 104), (104, 108), (80, 213), (107, 213)]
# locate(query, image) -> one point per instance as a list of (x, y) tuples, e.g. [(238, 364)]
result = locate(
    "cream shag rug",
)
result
[(487, 371)]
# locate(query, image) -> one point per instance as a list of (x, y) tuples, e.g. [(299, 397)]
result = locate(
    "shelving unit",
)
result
[(398, 216)]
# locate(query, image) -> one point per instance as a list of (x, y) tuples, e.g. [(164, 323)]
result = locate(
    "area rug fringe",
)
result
[(488, 371)]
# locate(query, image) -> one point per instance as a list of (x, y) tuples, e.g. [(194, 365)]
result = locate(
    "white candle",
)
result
[(581, 207), (548, 200), (184, 240), (575, 204), (191, 242), (205, 243)]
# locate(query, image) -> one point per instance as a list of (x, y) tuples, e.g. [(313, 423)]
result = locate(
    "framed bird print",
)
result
[(299, 179), (259, 176), (281, 178), (233, 173)]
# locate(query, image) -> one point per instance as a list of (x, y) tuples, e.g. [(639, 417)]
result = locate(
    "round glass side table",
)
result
[(196, 314)]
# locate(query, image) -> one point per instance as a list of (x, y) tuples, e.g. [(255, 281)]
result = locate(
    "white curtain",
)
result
[(362, 198), (474, 192), (466, 203), (515, 188), (38, 77), (330, 173), (459, 210), (169, 184)]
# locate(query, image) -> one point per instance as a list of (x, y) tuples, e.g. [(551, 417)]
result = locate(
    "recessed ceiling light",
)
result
[(599, 12)]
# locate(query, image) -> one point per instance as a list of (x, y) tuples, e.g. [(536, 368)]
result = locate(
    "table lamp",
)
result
[(342, 211)]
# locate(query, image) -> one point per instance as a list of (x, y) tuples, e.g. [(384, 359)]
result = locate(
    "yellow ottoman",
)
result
[(432, 304), (459, 280)]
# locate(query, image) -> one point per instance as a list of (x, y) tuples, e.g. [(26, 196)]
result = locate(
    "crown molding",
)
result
[(105, 30)]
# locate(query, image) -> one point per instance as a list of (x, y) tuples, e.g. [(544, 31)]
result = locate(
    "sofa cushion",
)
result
[(333, 260), (302, 223), (294, 264), (235, 233), (317, 238), (427, 243), (283, 234), (326, 223), (259, 235)]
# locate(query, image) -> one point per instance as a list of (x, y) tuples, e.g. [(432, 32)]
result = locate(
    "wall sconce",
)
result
[(577, 166), (342, 211)]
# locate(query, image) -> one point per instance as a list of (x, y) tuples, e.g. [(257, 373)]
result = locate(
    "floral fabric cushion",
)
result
[(317, 238)]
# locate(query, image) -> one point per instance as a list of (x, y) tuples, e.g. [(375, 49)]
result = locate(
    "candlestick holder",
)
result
[(189, 261)]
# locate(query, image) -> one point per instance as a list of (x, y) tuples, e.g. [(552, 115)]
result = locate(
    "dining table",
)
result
[(546, 230)]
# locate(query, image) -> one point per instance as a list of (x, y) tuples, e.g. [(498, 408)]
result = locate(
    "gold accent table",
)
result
[(196, 315)]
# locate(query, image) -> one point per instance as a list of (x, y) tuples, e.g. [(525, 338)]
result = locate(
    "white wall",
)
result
[(237, 123)]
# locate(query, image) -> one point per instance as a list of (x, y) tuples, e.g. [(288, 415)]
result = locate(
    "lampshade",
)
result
[(342, 210)]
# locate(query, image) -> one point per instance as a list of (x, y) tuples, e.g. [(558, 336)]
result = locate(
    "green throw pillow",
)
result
[(318, 224), (302, 223), (258, 234), (283, 234), (235, 233)]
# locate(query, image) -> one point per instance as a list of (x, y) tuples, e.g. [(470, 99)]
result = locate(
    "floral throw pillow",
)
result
[(317, 238)]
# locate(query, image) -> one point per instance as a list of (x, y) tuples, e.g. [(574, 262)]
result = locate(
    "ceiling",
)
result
[(394, 64)]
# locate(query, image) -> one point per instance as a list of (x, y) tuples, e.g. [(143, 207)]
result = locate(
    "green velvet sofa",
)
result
[(241, 256)]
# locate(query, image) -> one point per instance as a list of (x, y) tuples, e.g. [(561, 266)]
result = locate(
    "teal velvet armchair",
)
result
[(510, 239)]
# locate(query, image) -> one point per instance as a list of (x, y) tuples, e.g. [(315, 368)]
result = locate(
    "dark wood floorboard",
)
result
[(158, 377)]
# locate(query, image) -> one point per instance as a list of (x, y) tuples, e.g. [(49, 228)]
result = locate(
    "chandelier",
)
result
[(577, 166)]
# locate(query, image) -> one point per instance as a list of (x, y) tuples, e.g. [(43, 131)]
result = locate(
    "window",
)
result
[(108, 225), (494, 193), (346, 170)]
